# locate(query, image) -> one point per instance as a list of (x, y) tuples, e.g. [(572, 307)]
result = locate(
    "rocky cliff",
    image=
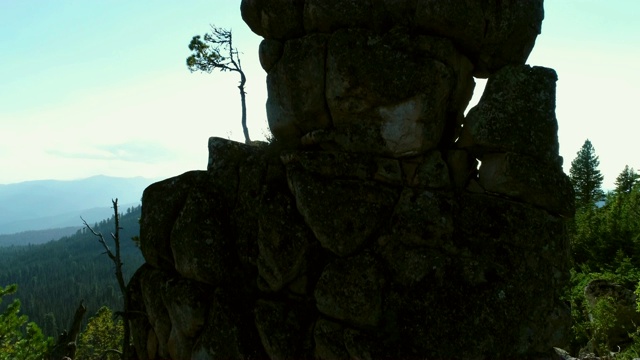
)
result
[(381, 222)]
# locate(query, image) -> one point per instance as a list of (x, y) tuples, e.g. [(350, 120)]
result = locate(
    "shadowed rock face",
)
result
[(368, 229), (491, 33)]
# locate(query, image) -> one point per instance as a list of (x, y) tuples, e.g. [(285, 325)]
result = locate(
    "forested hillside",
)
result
[(53, 277), (34, 237)]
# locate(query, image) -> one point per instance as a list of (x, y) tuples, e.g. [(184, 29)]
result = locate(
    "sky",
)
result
[(101, 86)]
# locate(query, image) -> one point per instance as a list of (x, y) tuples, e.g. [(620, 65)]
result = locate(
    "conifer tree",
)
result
[(102, 338), (585, 177), (19, 340), (215, 51), (626, 180)]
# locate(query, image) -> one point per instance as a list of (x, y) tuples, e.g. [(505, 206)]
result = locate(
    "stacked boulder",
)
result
[(381, 222)]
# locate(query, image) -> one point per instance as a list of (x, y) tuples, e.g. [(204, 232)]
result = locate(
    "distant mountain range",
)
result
[(35, 237), (49, 204)]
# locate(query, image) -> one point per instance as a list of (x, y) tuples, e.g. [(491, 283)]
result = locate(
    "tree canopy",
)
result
[(626, 180), (20, 339), (586, 178), (605, 244), (215, 51), (102, 338)]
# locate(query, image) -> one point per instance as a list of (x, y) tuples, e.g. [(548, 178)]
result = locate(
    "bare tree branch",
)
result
[(116, 258), (66, 344)]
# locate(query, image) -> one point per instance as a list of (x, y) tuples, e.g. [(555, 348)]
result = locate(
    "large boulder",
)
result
[(163, 203), (283, 241), (484, 222), (350, 290), (151, 288), (285, 330), (423, 218), (269, 53), (296, 86), (237, 173), (328, 16), (329, 338), (403, 109), (515, 114), (514, 175), (343, 214), (332, 164), (201, 241), (491, 33), (187, 302), (224, 336), (273, 19)]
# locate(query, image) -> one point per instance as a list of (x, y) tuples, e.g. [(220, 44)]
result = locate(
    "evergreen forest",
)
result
[(54, 277), (605, 247)]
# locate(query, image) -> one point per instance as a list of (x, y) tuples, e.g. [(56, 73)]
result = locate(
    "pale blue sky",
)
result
[(100, 86)]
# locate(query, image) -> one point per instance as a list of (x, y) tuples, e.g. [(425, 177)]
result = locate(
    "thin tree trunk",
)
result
[(67, 343), (126, 349), (77, 322), (127, 352), (245, 130)]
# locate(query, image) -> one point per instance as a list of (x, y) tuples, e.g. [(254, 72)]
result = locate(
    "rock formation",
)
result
[(381, 222)]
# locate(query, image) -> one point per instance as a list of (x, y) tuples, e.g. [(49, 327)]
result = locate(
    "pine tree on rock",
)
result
[(626, 180), (586, 178), (216, 51)]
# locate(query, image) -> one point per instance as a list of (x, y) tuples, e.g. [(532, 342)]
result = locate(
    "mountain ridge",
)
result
[(46, 204)]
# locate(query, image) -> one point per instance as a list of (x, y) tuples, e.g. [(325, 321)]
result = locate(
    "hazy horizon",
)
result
[(82, 178), (49, 204), (102, 87)]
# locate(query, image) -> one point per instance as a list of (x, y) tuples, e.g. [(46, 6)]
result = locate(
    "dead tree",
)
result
[(66, 345), (127, 351), (216, 51)]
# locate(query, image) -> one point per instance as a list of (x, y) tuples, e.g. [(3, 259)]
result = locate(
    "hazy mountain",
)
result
[(34, 237), (46, 204)]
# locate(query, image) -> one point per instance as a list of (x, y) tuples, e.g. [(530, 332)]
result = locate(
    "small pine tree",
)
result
[(215, 51), (626, 180), (20, 340), (586, 178), (102, 338)]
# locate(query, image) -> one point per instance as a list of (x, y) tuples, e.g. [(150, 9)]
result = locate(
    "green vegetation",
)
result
[(102, 338), (55, 276), (19, 339), (585, 177), (626, 180), (605, 244)]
